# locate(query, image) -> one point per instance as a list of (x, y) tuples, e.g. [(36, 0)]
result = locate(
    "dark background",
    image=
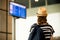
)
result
[(36, 4)]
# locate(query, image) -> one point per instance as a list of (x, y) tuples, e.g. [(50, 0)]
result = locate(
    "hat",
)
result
[(42, 11)]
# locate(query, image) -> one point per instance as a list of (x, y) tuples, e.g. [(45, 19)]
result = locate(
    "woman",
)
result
[(43, 24)]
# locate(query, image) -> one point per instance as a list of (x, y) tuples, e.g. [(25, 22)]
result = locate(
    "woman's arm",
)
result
[(52, 38)]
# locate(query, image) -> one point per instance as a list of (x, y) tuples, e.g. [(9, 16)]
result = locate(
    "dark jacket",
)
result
[(36, 34)]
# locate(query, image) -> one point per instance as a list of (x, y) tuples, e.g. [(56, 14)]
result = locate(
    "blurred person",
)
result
[(41, 30)]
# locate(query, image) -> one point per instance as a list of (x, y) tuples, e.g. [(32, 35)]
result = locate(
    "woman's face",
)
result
[(41, 19)]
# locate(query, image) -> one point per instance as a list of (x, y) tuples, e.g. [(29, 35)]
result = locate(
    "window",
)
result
[(36, 4)]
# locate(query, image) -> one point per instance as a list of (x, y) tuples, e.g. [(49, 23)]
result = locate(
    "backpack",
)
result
[(36, 34)]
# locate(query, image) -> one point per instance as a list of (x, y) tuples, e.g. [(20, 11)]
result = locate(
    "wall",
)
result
[(23, 25), (50, 9), (5, 21)]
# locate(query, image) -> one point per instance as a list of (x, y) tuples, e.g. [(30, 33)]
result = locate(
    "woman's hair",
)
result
[(41, 19)]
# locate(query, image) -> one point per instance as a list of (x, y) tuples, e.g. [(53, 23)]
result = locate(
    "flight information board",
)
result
[(17, 10)]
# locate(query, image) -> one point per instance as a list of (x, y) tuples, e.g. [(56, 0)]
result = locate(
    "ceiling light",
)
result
[(36, 0)]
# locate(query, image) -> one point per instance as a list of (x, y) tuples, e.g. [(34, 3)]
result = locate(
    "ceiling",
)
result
[(36, 4)]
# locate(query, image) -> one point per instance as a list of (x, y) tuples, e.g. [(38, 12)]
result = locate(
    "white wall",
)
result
[(50, 9), (23, 25)]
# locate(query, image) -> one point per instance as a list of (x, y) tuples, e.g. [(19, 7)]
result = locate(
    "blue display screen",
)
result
[(17, 10)]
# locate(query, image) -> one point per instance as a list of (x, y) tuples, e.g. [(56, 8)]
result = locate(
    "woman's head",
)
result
[(42, 14), (41, 19)]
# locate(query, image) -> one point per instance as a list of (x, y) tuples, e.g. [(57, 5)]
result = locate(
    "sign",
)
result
[(17, 10)]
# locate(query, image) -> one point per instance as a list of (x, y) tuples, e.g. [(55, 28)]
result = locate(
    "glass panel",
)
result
[(3, 4), (53, 1), (24, 2), (10, 24), (9, 36), (0, 3), (2, 21), (2, 36), (36, 4)]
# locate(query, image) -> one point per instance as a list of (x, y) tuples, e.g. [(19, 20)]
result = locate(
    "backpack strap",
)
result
[(33, 26)]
